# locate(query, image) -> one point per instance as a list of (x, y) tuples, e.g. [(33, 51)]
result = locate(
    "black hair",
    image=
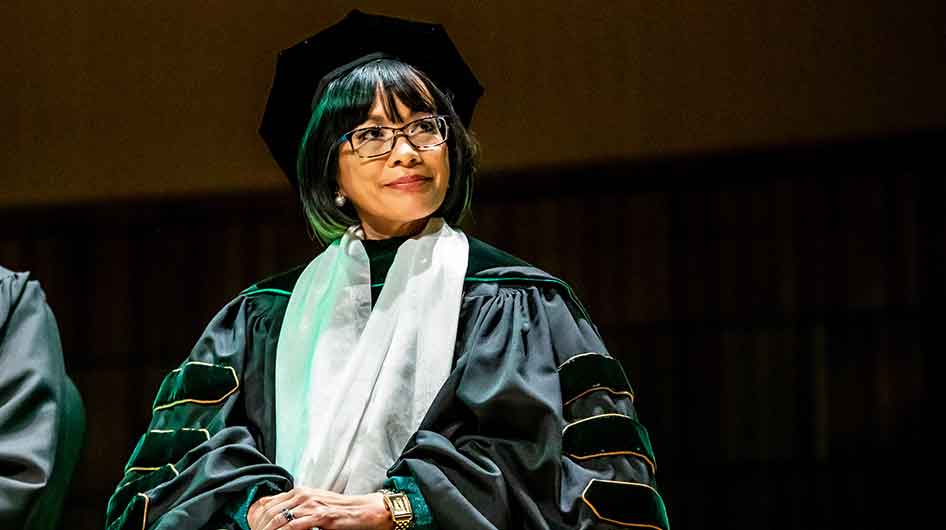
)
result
[(344, 105)]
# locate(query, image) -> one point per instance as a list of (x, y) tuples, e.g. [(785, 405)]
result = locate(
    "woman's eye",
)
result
[(423, 127), (365, 135)]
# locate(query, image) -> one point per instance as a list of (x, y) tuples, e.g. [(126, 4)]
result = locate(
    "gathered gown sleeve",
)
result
[(32, 376), (535, 428), (208, 452)]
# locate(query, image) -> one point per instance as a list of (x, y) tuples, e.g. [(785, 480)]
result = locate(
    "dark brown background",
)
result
[(748, 197)]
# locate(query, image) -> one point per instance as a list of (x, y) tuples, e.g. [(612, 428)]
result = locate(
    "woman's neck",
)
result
[(376, 230)]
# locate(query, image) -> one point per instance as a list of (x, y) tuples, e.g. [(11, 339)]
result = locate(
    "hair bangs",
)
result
[(400, 82), (349, 100)]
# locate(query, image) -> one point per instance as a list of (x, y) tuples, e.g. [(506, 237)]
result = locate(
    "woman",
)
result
[(409, 376)]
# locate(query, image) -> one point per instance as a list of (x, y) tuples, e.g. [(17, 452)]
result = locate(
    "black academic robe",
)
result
[(42, 423), (535, 426)]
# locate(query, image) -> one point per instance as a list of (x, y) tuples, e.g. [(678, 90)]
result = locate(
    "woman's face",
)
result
[(394, 194)]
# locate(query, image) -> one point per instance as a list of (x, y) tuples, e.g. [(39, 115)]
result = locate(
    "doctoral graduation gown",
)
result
[(535, 426)]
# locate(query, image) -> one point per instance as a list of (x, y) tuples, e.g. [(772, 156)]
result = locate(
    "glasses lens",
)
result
[(428, 132), (372, 141)]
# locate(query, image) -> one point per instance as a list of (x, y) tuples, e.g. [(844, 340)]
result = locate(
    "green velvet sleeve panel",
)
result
[(208, 451), (423, 519), (501, 448)]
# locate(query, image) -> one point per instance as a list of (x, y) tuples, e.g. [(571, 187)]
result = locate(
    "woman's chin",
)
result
[(410, 209)]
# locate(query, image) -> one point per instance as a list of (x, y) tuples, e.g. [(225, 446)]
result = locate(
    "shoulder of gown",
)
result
[(280, 284), (490, 265), (32, 383)]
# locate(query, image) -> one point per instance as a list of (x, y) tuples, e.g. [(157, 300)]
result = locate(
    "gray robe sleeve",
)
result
[(31, 389), (535, 427), (208, 451)]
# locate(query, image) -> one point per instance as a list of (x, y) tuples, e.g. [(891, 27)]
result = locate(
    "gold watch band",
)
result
[(402, 513)]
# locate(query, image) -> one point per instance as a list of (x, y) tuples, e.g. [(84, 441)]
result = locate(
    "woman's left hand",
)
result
[(315, 508)]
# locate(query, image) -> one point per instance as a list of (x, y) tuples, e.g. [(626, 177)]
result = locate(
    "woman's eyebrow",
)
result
[(378, 119), (373, 119)]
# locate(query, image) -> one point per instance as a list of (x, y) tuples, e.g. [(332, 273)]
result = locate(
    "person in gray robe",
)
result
[(41, 417)]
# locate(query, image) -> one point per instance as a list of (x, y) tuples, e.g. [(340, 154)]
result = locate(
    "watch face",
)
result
[(400, 505)]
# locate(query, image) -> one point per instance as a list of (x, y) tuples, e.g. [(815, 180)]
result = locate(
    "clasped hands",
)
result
[(315, 508)]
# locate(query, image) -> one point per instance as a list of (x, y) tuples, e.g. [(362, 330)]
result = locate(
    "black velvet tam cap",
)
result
[(303, 71)]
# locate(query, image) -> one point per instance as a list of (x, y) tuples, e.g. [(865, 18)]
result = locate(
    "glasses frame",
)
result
[(398, 131)]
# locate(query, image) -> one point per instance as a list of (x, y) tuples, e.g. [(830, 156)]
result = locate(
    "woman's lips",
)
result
[(409, 183)]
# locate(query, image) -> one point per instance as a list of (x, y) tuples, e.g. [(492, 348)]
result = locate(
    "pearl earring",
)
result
[(339, 199)]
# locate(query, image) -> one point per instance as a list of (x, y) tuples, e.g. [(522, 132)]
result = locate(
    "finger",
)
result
[(274, 516), (323, 518), (272, 522), (276, 512), (253, 515), (281, 497), (270, 515), (263, 514), (256, 507), (256, 515), (257, 518)]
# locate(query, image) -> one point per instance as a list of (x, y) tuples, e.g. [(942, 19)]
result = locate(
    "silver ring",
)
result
[(287, 513)]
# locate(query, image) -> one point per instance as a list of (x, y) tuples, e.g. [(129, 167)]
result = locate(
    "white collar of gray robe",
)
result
[(352, 383)]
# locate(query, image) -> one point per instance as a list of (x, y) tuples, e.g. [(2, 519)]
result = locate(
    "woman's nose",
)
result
[(404, 152)]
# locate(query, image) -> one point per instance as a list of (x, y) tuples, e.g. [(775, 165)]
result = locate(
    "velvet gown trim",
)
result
[(592, 372)]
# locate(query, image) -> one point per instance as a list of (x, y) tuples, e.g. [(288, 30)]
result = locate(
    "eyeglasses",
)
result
[(371, 142)]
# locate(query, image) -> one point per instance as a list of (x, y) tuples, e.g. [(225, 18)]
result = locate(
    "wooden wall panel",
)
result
[(773, 310)]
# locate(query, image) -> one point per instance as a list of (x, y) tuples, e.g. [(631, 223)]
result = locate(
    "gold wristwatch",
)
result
[(400, 507)]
